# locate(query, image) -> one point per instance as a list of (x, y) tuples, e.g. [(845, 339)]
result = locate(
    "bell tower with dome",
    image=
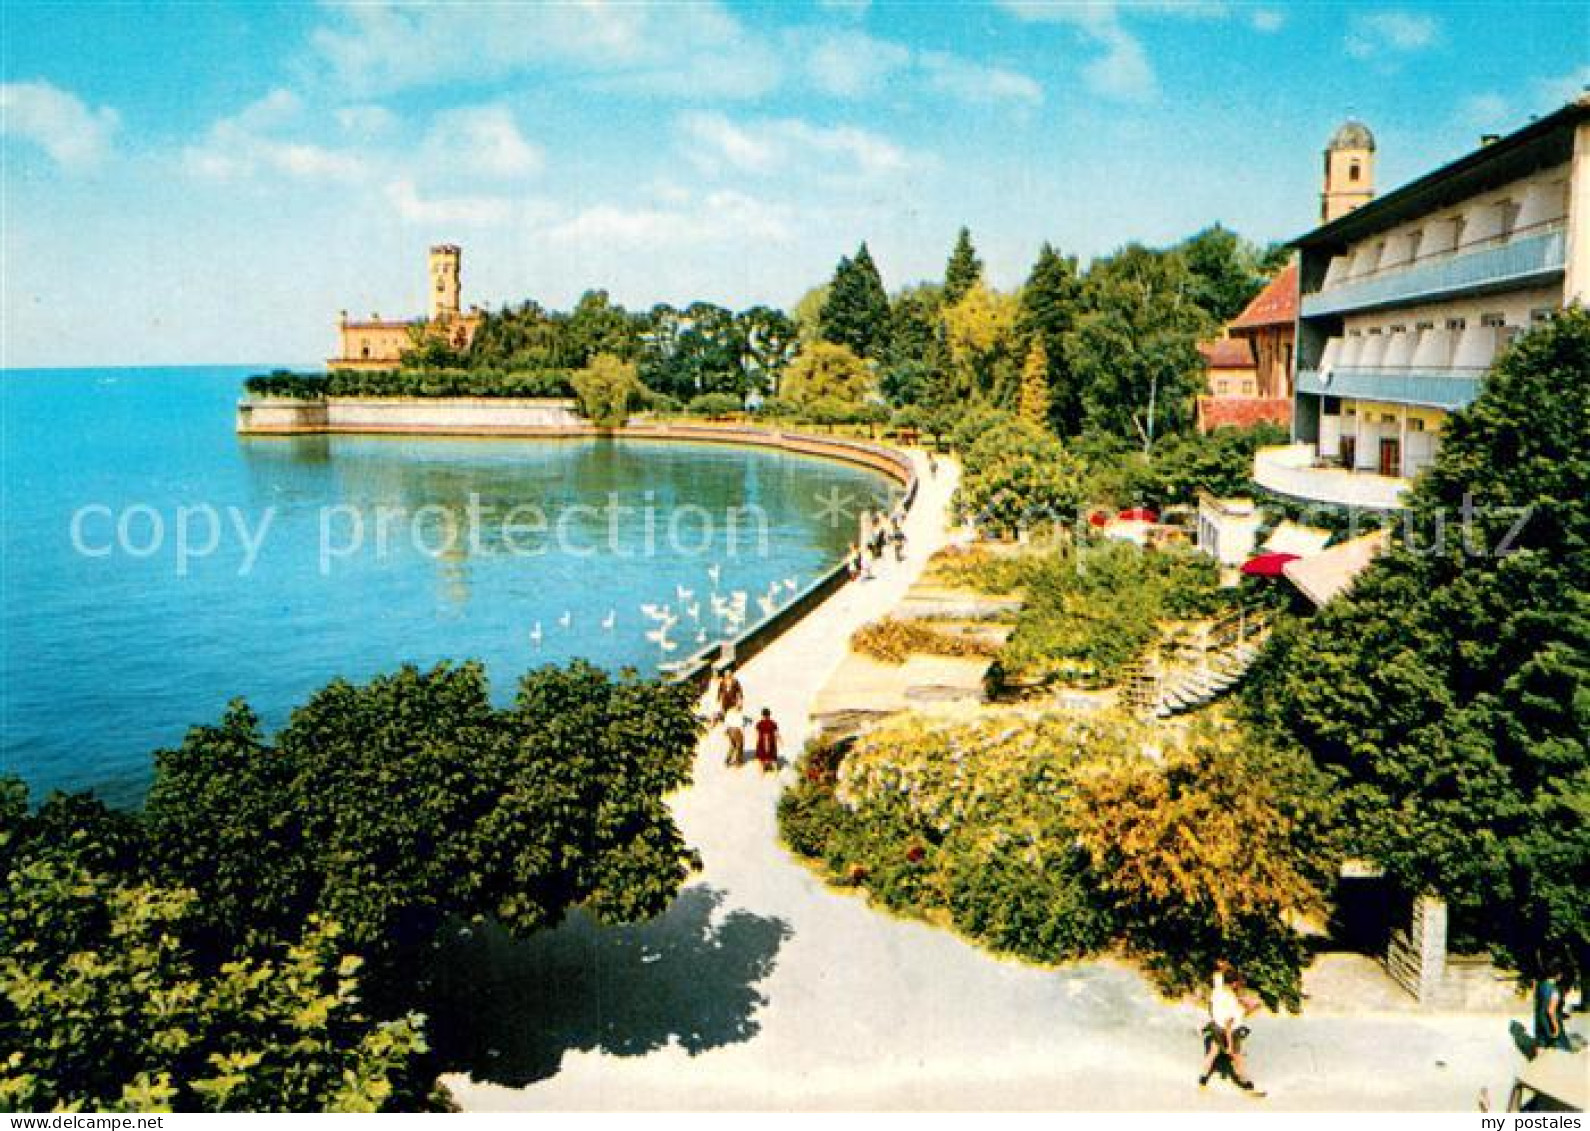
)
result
[(1349, 171)]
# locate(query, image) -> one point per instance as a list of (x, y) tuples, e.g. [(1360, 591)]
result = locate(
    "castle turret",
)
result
[(1349, 171), (446, 281)]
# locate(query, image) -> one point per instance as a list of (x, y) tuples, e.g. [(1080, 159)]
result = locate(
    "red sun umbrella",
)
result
[(1098, 518), (1137, 514), (1267, 565)]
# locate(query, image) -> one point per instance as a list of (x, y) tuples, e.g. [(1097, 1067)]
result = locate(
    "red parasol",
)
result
[(1137, 514), (1267, 565)]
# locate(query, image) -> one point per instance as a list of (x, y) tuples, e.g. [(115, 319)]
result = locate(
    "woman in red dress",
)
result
[(767, 742)]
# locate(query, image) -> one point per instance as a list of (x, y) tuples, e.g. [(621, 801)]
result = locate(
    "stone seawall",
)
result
[(406, 415)]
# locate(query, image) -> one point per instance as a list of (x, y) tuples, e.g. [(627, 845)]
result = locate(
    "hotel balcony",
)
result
[(1505, 261), (1296, 472), (1431, 388)]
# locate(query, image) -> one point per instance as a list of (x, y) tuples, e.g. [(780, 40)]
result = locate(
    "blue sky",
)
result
[(191, 183)]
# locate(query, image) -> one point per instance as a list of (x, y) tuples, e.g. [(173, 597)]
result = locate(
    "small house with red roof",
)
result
[(1269, 325), (1250, 366)]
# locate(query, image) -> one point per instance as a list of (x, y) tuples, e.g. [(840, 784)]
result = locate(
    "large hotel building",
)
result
[(1407, 298)]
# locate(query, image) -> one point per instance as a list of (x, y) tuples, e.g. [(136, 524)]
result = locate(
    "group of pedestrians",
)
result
[(876, 539), (728, 711)]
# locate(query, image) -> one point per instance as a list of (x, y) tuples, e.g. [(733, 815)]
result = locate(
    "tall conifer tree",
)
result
[(963, 270)]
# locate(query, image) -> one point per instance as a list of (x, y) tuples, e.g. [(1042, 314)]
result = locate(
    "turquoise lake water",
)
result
[(154, 564)]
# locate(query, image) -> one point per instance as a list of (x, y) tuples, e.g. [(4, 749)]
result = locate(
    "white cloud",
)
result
[(1267, 20), (1562, 89), (851, 64), (718, 218), (382, 46), (474, 210), (1375, 35), (1485, 111), (249, 144), (972, 82), (1122, 70), (74, 135), (367, 121), (482, 141), (780, 145)]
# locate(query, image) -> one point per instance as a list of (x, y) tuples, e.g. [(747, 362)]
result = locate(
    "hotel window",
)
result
[(1331, 406), (1355, 333), (1376, 331), (1388, 418), (1457, 323), (1509, 210), (1354, 172), (1415, 240), (1542, 314), (1493, 319), (1420, 327), (1415, 424), (1399, 328)]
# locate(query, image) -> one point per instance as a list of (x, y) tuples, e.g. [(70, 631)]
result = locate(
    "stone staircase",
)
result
[(1183, 675)]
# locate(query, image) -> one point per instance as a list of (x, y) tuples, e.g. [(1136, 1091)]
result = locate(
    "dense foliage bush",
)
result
[(1051, 838), (893, 641), (714, 405), (1451, 686), (413, 383), (107, 1000), (979, 568), (1016, 477), (1091, 610), (251, 939)]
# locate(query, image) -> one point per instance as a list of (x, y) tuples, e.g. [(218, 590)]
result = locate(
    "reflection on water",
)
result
[(335, 556)]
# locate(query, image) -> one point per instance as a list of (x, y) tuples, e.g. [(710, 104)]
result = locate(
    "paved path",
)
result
[(767, 989)]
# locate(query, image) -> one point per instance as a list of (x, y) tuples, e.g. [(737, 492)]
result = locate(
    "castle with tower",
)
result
[(377, 344)]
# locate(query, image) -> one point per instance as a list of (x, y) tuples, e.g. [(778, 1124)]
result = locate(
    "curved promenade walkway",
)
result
[(844, 1006)]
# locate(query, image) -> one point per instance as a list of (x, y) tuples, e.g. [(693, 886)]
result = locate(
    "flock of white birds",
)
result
[(725, 614)]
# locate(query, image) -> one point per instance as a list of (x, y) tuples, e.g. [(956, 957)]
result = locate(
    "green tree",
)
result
[(769, 343), (980, 331), (389, 806), (1225, 271), (596, 326), (1134, 349), (1047, 314), (856, 312), (106, 1004), (607, 391), (825, 371), (963, 271), (1033, 406), (1211, 851), (1017, 477), (1451, 686)]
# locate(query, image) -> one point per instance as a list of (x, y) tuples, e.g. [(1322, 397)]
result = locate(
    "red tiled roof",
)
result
[(1275, 305), (1227, 353), (1243, 412)]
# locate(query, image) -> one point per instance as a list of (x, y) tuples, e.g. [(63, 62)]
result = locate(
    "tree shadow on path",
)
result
[(505, 1010)]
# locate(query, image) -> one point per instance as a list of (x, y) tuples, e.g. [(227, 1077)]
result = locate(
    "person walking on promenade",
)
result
[(853, 559), (1551, 1011), (734, 736), (898, 534), (1224, 1033), (731, 696), (767, 742), (933, 466)]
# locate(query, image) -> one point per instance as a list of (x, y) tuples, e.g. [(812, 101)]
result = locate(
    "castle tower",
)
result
[(446, 281), (1349, 171)]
